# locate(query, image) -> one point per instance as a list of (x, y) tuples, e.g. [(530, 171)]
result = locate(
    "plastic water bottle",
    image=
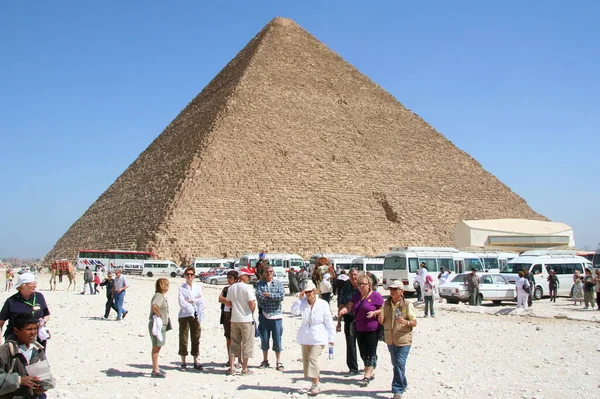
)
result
[(330, 351), (398, 315)]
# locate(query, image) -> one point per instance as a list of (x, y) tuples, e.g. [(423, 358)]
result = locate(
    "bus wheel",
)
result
[(173, 274), (149, 274), (538, 293)]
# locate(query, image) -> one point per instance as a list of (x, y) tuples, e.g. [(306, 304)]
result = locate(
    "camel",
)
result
[(60, 268)]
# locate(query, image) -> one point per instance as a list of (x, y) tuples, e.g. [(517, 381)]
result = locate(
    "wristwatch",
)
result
[(408, 323)]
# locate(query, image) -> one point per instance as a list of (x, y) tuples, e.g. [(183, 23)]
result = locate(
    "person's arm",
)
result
[(252, 305), (181, 299), (156, 309), (278, 295), (345, 309), (296, 311), (328, 321)]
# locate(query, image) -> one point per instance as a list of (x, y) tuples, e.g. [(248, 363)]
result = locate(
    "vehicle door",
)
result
[(505, 290), (488, 288)]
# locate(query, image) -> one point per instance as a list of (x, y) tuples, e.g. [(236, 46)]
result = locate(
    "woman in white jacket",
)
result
[(316, 331)]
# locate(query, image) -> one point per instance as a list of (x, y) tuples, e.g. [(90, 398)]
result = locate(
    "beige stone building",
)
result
[(291, 149)]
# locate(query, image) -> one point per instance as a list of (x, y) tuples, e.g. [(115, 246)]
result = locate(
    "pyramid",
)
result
[(291, 149)]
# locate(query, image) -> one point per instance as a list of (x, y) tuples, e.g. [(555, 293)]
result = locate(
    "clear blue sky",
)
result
[(86, 86)]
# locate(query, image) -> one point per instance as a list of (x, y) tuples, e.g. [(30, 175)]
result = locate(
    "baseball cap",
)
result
[(245, 271), (25, 278), (310, 286)]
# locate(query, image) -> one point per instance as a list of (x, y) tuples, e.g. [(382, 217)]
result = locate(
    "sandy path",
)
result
[(462, 353)]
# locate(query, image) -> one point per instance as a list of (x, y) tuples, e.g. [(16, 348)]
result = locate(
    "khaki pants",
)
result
[(242, 339), (189, 325), (310, 360)]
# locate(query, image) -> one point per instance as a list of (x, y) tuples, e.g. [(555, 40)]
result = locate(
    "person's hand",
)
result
[(331, 343), (30, 381), (370, 315), (342, 312), (266, 294), (380, 318), (338, 328), (301, 295)]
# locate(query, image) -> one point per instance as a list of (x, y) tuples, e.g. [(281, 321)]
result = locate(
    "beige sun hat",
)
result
[(396, 284)]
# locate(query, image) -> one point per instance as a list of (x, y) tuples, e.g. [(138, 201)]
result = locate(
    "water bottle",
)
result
[(330, 351), (398, 315)]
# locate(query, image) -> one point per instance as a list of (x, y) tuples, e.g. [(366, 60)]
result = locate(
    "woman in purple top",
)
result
[(366, 305)]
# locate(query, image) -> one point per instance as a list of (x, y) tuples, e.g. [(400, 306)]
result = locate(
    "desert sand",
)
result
[(551, 351)]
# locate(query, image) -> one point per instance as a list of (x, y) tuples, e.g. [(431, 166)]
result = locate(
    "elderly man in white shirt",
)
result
[(315, 332), (241, 298), (191, 314)]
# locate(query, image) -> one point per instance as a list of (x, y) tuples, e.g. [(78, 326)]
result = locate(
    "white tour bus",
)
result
[(402, 263), (540, 262), (159, 268), (494, 261), (202, 265), (110, 259), (373, 265)]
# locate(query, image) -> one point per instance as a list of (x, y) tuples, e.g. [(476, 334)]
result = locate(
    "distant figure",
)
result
[(531, 280), (302, 277), (597, 288), (108, 282), (472, 281), (588, 289), (578, 292), (553, 285), (326, 288), (523, 289), (119, 288), (10, 275), (293, 282), (96, 282), (88, 278), (428, 289)]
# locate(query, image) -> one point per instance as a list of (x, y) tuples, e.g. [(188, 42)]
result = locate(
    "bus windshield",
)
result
[(394, 263), (596, 261), (515, 267)]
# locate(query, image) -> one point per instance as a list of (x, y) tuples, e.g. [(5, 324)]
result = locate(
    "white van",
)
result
[(202, 265), (372, 265), (540, 262), (159, 268), (132, 268), (283, 262)]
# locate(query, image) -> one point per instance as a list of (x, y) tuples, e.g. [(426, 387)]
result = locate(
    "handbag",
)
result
[(169, 326)]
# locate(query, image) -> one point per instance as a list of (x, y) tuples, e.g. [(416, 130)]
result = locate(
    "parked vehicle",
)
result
[(202, 265), (402, 263), (494, 261), (372, 265), (159, 268), (492, 287), (132, 268), (282, 278), (540, 262), (283, 262), (219, 278), (210, 272)]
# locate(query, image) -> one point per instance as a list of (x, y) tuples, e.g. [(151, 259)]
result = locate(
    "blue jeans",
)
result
[(429, 305), (399, 355), (119, 298), (271, 327)]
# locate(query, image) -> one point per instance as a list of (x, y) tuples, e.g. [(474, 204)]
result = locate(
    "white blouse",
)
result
[(317, 325)]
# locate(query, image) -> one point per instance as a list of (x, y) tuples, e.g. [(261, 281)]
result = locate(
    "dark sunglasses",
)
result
[(189, 274), (394, 289)]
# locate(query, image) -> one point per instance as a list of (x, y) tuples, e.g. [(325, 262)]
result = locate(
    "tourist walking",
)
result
[(96, 283), (269, 295), (26, 300), (523, 290), (315, 332), (588, 289), (293, 282), (225, 320), (325, 288), (472, 281), (366, 306), (398, 320), (191, 313), (241, 298), (345, 293), (10, 275), (108, 285), (119, 289), (158, 324), (88, 278), (553, 284)]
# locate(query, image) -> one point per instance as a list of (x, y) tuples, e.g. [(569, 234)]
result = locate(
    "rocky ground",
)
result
[(551, 351)]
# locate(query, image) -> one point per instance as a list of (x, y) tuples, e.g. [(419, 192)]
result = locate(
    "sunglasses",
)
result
[(269, 271), (189, 274), (394, 289)]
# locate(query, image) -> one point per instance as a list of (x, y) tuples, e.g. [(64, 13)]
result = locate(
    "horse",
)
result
[(60, 268)]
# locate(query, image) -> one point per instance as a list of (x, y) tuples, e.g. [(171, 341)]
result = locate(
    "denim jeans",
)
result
[(399, 355), (273, 327), (119, 298), (429, 305)]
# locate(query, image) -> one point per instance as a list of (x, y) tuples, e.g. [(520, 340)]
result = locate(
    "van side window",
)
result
[(487, 279), (558, 268), (536, 269)]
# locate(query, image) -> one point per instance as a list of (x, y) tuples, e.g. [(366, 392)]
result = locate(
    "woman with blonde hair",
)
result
[(159, 309), (366, 305)]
